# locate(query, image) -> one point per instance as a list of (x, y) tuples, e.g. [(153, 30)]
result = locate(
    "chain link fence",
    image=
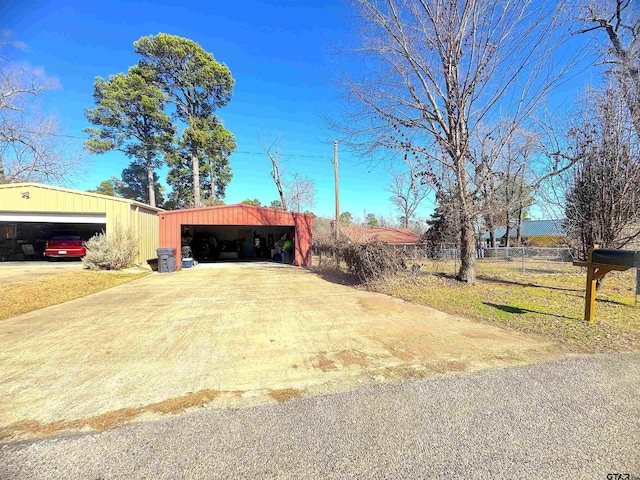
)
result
[(519, 258)]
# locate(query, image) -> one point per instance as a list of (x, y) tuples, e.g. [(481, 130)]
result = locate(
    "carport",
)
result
[(236, 232), (31, 214)]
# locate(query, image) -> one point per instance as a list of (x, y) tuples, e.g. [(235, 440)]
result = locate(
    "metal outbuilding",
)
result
[(238, 231), (32, 211)]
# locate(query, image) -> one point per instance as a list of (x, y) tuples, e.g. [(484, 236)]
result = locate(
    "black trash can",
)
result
[(166, 260)]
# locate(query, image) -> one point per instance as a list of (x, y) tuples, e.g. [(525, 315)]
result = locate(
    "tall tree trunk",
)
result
[(492, 230), (195, 165), (213, 183), (3, 179), (152, 187), (467, 271), (275, 174), (508, 229), (519, 227)]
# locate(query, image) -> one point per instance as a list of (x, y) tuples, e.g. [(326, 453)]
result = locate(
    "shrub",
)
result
[(372, 261), (112, 251), (329, 248)]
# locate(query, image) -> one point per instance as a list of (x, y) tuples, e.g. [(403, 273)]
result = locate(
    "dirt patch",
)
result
[(180, 404), (481, 334), (285, 394), (323, 363), (374, 305), (352, 357), (449, 366), (399, 352), (108, 420)]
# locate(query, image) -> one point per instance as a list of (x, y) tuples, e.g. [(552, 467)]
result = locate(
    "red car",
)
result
[(65, 246)]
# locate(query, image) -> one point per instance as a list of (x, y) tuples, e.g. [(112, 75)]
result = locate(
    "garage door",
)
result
[(23, 236)]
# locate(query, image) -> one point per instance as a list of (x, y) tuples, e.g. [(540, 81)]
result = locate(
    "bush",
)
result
[(328, 248), (372, 261), (113, 251)]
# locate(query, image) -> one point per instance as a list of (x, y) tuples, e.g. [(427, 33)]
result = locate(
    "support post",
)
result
[(637, 285), (594, 272), (590, 297), (335, 172)]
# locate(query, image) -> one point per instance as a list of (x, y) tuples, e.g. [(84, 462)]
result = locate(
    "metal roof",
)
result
[(356, 234), (533, 228), (78, 192)]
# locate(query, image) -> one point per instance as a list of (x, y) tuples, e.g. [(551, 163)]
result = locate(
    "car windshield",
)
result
[(67, 237)]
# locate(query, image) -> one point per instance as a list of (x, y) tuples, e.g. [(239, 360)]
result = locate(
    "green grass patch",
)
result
[(23, 297), (547, 301)]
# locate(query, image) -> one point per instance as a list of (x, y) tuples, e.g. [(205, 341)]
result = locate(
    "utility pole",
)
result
[(364, 221), (335, 171)]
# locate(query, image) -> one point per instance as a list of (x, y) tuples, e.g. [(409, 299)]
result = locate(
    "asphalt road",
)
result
[(577, 418)]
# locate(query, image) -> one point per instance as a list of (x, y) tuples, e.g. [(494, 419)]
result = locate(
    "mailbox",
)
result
[(625, 258)]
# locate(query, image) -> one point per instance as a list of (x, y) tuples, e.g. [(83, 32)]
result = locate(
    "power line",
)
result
[(287, 155), (50, 134)]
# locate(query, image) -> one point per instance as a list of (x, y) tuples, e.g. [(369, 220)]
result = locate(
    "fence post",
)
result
[(523, 269), (455, 259)]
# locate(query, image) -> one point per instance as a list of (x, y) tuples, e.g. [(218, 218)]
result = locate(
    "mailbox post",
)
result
[(605, 262)]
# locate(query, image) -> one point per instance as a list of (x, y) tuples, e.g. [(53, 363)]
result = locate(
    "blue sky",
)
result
[(280, 53)]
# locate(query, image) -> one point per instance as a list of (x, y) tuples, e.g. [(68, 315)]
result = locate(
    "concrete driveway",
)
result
[(220, 337)]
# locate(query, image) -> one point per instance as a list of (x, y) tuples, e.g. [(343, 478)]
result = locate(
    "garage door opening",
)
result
[(236, 233), (26, 241), (239, 243)]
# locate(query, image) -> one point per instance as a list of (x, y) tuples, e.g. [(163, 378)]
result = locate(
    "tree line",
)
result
[(163, 111), (455, 88), (458, 88)]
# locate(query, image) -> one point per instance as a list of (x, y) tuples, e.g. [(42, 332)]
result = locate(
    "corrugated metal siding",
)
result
[(148, 228), (304, 238), (47, 199), (171, 222), (43, 198)]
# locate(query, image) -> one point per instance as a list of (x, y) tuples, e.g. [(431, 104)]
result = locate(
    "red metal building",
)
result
[(237, 231)]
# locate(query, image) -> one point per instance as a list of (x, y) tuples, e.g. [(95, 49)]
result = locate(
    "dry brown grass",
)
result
[(108, 420), (546, 299), (23, 297), (285, 394)]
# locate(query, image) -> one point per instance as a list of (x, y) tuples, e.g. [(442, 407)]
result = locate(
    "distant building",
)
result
[(392, 236), (535, 233)]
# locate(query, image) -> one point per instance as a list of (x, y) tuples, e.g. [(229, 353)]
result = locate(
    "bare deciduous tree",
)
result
[(436, 71), (30, 148), (300, 193), (408, 189), (30, 151), (620, 20), (273, 152), (513, 191), (603, 197)]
